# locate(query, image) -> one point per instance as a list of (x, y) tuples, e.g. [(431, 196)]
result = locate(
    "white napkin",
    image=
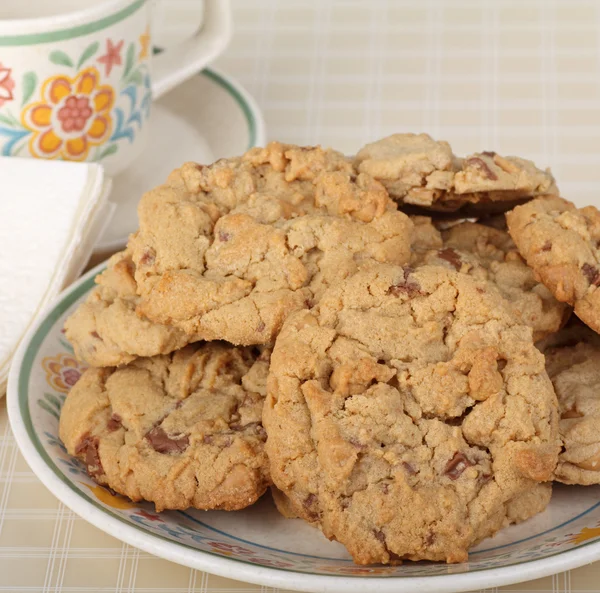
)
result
[(51, 215)]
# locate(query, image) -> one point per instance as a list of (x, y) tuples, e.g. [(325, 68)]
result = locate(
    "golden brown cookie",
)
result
[(180, 430), (561, 244), (419, 171), (229, 251), (573, 364), (106, 330), (487, 253), (408, 414)]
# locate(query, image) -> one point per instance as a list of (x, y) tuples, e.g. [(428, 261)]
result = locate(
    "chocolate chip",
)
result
[(481, 165), (592, 273), (148, 257), (308, 503), (489, 153), (114, 422), (547, 246), (385, 488), (310, 500), (407, 286), (95, 334), (457, 465), (208, 439), (345, 501), (261, 326), (379, 535), (224, 237), (409, 468), (430, 538), (162, 443), (452, 257), (88, 449)]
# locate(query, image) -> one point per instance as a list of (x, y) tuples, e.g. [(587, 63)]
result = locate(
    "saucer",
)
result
[(208, 117)]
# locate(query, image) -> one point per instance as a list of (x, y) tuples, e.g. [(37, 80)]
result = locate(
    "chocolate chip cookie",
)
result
[(106, 330), (487, 253), (229, 251), (561, 244), (408, 413), (419, 171), (181, 430), (574, 368)]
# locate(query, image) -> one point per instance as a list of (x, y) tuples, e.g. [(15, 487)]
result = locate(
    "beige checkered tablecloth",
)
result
[(517, 76)]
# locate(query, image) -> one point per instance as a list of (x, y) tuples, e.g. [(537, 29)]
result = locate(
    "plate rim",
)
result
[(230, 567), (255, 123)]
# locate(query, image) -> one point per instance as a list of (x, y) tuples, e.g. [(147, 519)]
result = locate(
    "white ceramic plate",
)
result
[(258, 545), (208, 117)]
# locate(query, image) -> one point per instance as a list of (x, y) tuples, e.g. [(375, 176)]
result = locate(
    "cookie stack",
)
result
[(402, 377)]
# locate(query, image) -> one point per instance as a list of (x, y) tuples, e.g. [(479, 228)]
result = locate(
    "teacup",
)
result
[(77, 77)]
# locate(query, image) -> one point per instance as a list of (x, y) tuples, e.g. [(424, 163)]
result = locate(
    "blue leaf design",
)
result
[(121, 131), (131, 92), (14, 137), (135, 117), (145, 102)]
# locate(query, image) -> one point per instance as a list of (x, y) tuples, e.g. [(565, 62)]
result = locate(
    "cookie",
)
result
[(561, 244), (487, 253), (105, 330), (408, 413), (300, 220), (425, 236), (180, 430), (573, 364), (419, 171)]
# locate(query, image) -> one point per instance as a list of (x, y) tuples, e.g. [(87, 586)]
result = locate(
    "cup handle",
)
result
[(173, 66)]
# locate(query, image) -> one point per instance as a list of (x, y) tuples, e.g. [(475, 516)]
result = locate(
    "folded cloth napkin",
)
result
[(51, 215)]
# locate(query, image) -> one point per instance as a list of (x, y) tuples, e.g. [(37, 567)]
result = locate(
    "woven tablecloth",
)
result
[(516, 76)]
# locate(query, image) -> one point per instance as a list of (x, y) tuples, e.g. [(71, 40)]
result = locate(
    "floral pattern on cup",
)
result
[(79, 114), (7, 85), (73, 115)]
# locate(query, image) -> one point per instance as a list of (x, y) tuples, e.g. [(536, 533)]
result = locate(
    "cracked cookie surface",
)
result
[(229, 251), (105, 330), (574, 368), (487, 253), (561, 243), (408, 413), (420, 171), (180, 430)]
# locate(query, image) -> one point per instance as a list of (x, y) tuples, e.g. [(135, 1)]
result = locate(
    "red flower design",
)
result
[(112, 57), (7, 84), (74, 114)]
